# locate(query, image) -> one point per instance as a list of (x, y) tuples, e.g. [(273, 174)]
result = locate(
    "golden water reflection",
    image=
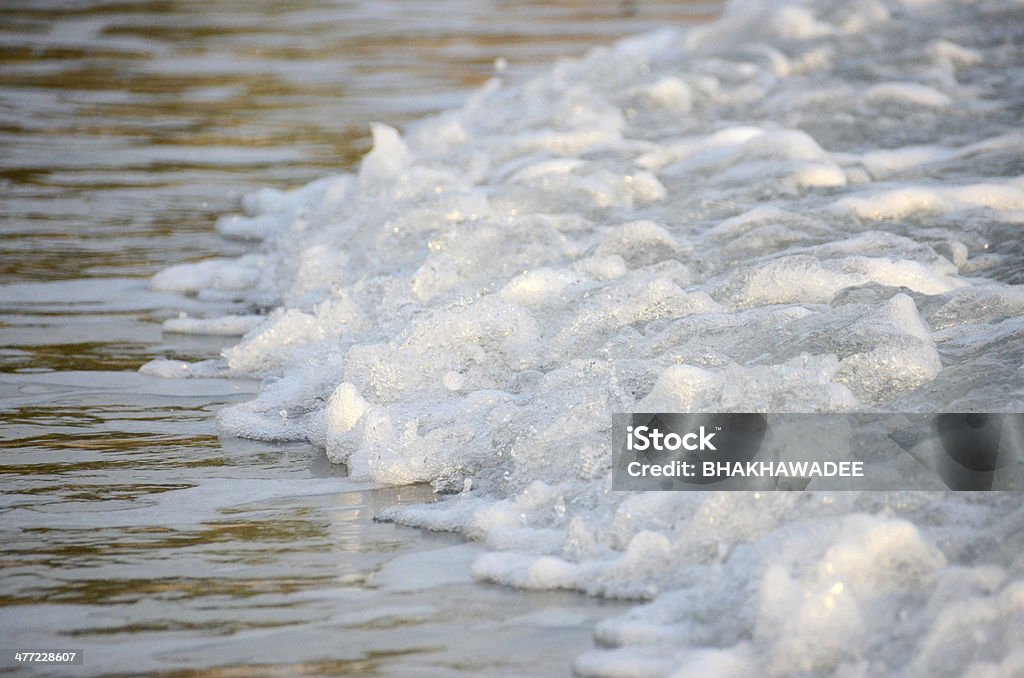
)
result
[(129, 527)]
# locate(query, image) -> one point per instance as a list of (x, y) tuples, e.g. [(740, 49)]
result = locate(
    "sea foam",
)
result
[(803, 206)]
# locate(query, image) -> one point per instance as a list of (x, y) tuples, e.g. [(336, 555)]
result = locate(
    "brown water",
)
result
[(129, 529)]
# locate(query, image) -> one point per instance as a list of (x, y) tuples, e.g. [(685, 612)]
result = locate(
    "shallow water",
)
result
[(805, 206), (130, 529)]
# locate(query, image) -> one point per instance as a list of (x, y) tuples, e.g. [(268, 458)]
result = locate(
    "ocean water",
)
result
[(134, 527), (803, 206)]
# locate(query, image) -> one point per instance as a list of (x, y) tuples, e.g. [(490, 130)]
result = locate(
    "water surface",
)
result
[(130, 528)]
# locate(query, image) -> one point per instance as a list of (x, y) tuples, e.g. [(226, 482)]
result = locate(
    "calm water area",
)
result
[(129, 529)]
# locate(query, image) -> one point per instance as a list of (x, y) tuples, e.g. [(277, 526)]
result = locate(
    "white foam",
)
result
[(179, 369), (911, 201), (805, 206), (219, 274), (907, 94), (224, 326)]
